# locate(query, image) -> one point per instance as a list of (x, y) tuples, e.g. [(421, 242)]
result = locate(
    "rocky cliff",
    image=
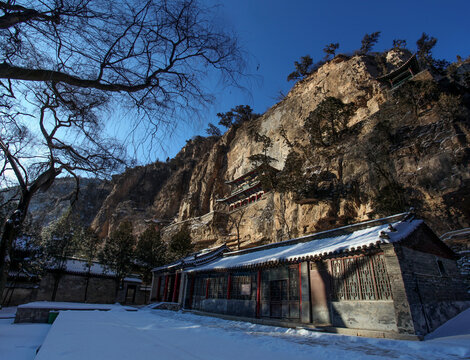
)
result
[(395, 150), (48, 206)]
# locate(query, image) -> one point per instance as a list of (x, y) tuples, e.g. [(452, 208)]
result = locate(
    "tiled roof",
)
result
[(349, 238)]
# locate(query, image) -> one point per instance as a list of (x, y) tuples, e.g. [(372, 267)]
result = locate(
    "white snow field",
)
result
[(19, 341), (161, 334)]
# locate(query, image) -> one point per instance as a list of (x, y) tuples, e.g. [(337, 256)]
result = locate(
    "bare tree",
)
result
[(235, 221), (67, 63), (281, 214)]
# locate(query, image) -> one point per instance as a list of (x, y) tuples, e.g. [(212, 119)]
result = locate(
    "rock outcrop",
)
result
[(390, 156)]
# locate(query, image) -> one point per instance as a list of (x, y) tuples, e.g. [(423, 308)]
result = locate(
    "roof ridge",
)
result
[(326, 233)]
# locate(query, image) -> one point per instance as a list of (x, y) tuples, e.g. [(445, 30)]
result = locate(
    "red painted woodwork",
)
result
[(229, 285), (165, 292), (258, 294), (176, 288), (300, 290), (207, 288)]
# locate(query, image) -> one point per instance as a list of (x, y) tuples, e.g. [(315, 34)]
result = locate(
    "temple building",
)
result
[(403, 73), (391, 277), (167, 279), (245, 190)]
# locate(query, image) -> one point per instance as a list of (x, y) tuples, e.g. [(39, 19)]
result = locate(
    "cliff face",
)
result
[(48, 206), (391, 155), (157, 191)]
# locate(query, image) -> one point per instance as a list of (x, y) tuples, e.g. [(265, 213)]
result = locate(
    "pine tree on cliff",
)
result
[(330, 51), (368, 42), (213, 130), (302, 68), (425, 44), (237, 116)]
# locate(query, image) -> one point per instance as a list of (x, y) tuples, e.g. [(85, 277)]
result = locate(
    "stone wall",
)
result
[(18, 294), (435, 288), (72, 288)]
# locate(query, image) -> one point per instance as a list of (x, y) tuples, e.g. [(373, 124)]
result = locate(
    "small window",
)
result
[(441, 267)]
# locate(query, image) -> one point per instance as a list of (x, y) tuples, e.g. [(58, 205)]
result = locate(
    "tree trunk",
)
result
[(11, 229), (118, 281), (238, 239), (86, 286), (57, 277), (14, 223)]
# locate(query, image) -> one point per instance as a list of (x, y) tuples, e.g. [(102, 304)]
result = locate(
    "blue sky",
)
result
[(275, 33)]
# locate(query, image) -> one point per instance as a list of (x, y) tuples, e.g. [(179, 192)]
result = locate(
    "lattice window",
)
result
[(337, 277), (384, 290), (200, 286), (217, 287), (241, 284), (366, 280), (294, 283), (360, 278)]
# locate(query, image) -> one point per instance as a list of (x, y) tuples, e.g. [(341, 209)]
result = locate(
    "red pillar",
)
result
[(165, 291), (207, 287), (175, 288), (258, 294), (300, 290), (229, 285)]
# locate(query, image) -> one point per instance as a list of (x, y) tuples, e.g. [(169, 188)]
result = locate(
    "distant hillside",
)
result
[(50, 205)]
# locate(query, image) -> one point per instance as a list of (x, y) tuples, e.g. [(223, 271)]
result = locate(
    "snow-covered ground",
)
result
[(19, 341), (73, 306), (160, 334)]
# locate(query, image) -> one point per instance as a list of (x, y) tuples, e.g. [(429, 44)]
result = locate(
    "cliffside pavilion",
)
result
[(391, 277), (246, 189), (403, 73)]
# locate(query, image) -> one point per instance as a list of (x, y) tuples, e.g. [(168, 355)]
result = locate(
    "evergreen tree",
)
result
[(213, 130), (151, 252), (118, 253), (89, 244), (328, 120), (330, 51), (302, 68), (236, 116), (262, 161), (425, 44), (399, 44), (180, 243), (368, 42), (59, 242)]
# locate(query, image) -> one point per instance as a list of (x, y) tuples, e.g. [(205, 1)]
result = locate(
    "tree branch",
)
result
[(22, 14), (8, 71)]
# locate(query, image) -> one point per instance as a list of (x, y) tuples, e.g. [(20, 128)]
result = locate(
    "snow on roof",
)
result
[(383, 233), (200, 257), (79, 266)]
